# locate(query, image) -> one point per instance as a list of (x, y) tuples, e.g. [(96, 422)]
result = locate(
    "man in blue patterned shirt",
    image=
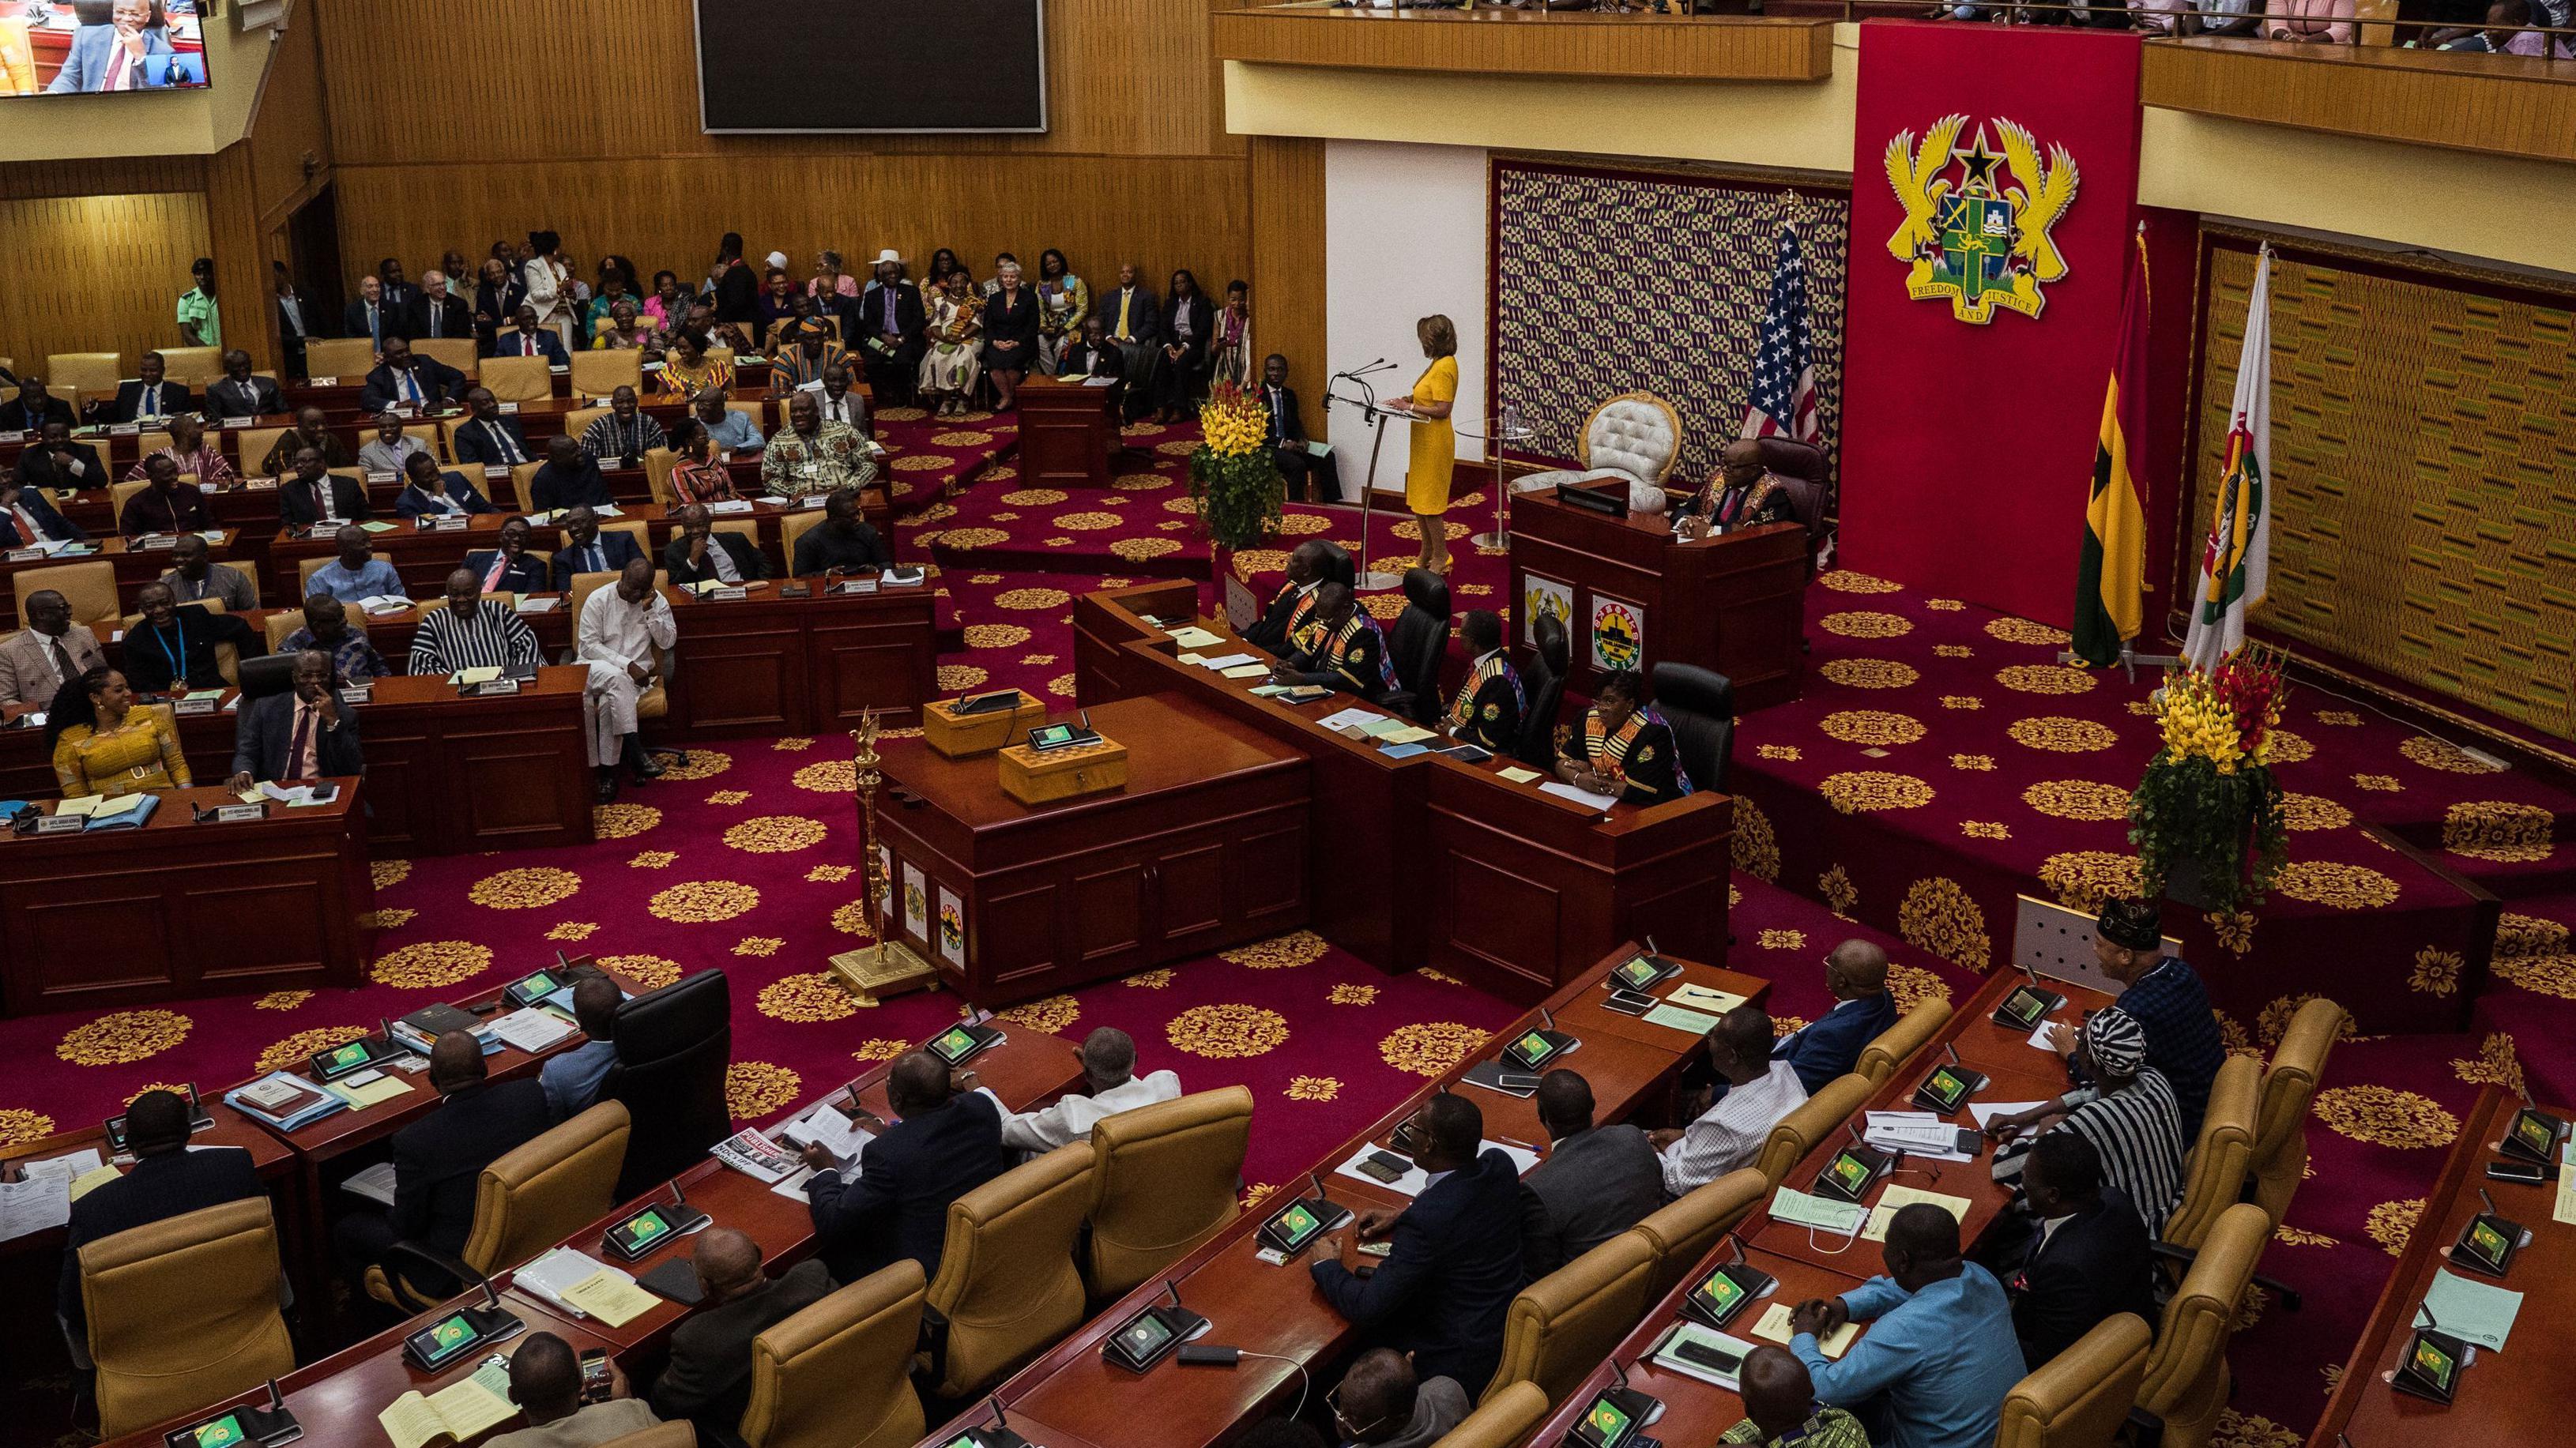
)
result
[(2167, 1000), (326, 627)]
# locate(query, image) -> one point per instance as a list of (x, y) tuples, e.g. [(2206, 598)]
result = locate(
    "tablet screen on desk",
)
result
[(1050, 736), (1848, 1173), (2487, 1242), (1605, 1424), (1296, 1226), (1638, 973), (1947, 1087), (1141, 1339), (637, 1234), (953, 1045), (349, 1057), (2535, 1131), (2432, 1364), (2025, 1006), (539, 984), (445, 1338), (224, 1432), (1532, 1048), (1719, 1294)]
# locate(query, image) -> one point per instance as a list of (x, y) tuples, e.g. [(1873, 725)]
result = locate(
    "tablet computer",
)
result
[(1715, 1299), (1612, 1421), (529, 989), (961, 1041), (1850, 1175), (2535, 1135), (1947, 1088), (2487, 1244), (2026, 1007), (352, 1058), (1533, 1049), (642, 1232), (1642, 970), (443, 1341), (2431, 1367), (1300, 1222)]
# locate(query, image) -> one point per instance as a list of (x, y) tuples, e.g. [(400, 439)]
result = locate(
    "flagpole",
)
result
[(2129, 658)]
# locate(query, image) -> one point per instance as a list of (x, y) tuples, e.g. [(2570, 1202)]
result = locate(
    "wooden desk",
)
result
[(1523, 889), (1731, 603), (2520, 1395), (269, 1157), (177, 909), (1066, 432), (134, 568), (1204, 848)]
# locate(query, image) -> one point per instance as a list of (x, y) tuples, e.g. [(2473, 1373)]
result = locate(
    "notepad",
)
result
[(2473, 1312), (374, 1093), (1348, 719), (481, 674), (1229, 661), (1516, 775), (1385, 727), (118, 807), (1414, 735), (459, 1411), (1897, 1196), (80, 804), (1774, 1327), (1701, 998), (1245, 671), (1678, 1018), (92, 1179), (1797, 1208), (1195, 637), (611, 1296)]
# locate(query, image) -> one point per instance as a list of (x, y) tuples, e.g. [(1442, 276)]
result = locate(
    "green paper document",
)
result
[(1696, 1023), (1517, 775), (2473, 1312), (1895, 1197), (1799, 1209), (377, 527), (1385, 726)]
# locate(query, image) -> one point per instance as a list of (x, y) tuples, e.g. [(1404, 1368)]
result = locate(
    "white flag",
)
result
[(2236, 558)]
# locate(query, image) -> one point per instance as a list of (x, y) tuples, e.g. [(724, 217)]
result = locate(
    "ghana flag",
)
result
[(2111, 576)]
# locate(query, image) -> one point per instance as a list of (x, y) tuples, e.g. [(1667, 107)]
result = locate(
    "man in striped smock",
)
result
[(1488, 707), (470, 633), (2133, 1120)]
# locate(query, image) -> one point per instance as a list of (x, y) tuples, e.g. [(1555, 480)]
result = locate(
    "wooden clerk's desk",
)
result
[(1431, 861), (1731, 603), (1066, 433)]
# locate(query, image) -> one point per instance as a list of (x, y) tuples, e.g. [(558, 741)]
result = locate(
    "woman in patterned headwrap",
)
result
[(2132, 1119), (1625, 749)]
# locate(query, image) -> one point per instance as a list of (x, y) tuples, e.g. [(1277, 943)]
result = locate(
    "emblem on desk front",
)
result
[(1618, 635), (1968, 236)]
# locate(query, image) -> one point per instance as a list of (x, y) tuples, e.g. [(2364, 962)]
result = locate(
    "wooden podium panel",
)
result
[(1730, 603), (449, 775), (1066, 432)]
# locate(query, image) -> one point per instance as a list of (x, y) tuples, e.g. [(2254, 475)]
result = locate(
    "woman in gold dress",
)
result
[(955, 359), (101, 744), (687, 370), (1435, 442)]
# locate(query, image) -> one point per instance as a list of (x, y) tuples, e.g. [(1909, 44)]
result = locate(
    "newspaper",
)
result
[(756, 1156)]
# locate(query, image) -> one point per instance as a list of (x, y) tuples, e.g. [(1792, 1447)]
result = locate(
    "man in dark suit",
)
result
[(173, 648), (569, 478), (54, 461), (437, 312), (1295, 601), (1443, 1293), (317, 495), (1597, 1181), (398, 294), (708, 1377), (163, 506), (526, 339), (367, 315), (587, 550), (430, 491), (239, 394), (2088, 1255), (403, 379), (508, 568), (486, 437), (1132, 320), (304, 733), (153, 395), (33, 407), (946, 1142), (1856, 974), (167, 1180), (885, 328), (436, 1162), (27, 516), (1286, 436), (698, 552), (295, 318)]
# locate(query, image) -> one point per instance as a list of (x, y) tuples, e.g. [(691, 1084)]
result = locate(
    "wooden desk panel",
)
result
[(526, 756), (1066, 433), (1530, 42)]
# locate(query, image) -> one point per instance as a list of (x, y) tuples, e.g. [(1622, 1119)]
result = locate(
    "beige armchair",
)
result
[(1636, 436)]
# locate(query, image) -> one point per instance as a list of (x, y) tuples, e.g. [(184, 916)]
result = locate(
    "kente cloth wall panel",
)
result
[(2424, 474), (1610, 281)]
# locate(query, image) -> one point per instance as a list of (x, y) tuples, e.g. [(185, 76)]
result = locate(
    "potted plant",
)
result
[(2207, 818), (1234, 476)]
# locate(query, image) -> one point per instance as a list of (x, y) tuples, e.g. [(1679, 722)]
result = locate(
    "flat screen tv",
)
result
[(871, 65), (100, 47)]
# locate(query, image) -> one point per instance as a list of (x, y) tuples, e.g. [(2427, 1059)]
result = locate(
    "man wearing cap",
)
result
[(2166, 999), (886, 330), (2131, 1119)]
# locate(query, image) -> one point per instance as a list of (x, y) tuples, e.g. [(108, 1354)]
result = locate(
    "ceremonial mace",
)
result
[(884, 967)]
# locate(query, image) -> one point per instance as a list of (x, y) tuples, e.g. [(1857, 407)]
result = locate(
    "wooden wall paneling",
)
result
[(112, 176), (94, 273), (291, 125), (1530, 42), (2506, 104), (241, 245), (1288, 272)]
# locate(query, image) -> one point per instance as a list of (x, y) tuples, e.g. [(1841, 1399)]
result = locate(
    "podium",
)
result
[(1066, 432), (1631, 595)]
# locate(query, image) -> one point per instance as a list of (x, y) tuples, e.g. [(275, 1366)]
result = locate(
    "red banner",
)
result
[(1994, 177)]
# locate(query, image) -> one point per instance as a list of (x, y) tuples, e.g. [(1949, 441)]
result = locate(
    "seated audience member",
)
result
[(945, 1142), (698, 552), (886, 330), (801, 348), (1380, 1404), (838, 401), (168, 1179), (390, 448), (777, 291), (708, 1377), (1132, 321), (508, 568), (471, 633), (843, 541), (486, 437), (1486, 711), (1188, 330), (55, 461), (33, 407), (2330, 21), (356, 574), (172, 648), (625, 434), (1740, 493), (1939, 1356), (1295, 601), (437, 313), (1729, 1134), (1092, 354), (37, 659), (28, 517), (525, 337), (572, 1078), (430, 491), (1442, 1294), (1626, 749), (497, 296), (2130, 1116), (1064, 304), (1856, 976), (101, 744), (625, 331), (622, 634), (1781, 1409), (2165, 997), (2084, 1255), (568, 478), (304, 733), (405, 380), (1339, 647), (1284, 429), (696, 475), (239, 393), (810, 456), (545, 1381), (730, 431), (437, 1161), (954, 360), (367, 316), (588, 550), (1597, 1181), (316, 497), (326, 627), (188, 448), (194, 577), (311, 430), (1010, 332), (152, 395), (164, 505), (1110, 1085), (687, 370)]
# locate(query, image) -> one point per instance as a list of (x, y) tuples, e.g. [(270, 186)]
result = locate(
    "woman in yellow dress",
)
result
[(687, 370), (1435, 442), (101, 744)]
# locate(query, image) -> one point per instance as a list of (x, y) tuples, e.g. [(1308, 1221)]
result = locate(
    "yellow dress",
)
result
[(1435, 444), (140, 754)]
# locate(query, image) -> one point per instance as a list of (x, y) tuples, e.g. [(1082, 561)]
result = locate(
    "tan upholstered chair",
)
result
[(597, 374), (2214, 1173), (1564, 1324), (1007, 1283), (348, 358), (838, 1374), (1684, 1232), (533, 1197), (2186, 1379), (183, 1313), (2079, 1398), (2280, 1154), (657, 475), (195, 366), (512, 497), (1501, 1421), (1885, 1055), (1163, 1181), (457, 352), (681, 1434), (749, 531), (518, 379), (84, 376), (118, 493), (1807, 1127), (793, 527), (90, 588), (653, 703), (284, 621), (578, 421), (1636, 436), (635, 528), (250, 449)]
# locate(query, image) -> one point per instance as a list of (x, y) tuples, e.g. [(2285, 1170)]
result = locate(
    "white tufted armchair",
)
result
[(1636, 436)]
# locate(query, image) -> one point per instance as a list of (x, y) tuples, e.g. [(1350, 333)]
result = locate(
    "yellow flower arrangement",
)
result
[(1234, 478), (1233, 423)]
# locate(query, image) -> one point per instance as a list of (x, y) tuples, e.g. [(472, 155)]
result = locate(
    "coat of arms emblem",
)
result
[(1980, 241)]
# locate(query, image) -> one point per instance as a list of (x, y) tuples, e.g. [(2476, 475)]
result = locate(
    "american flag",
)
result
[(1783, 400)]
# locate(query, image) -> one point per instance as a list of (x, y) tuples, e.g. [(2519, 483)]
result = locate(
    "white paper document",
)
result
[(531, 1030), (556, 1272), (1987, 1111), (376, 1184), (1227, 661), (1562, 790), (1413, 1181), (825, 1126), (1349, 718), (34, 1205)]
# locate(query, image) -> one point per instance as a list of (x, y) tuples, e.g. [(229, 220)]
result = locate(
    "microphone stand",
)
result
[(1364, 398)]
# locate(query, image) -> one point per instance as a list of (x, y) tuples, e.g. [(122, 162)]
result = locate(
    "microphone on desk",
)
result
[(2490, 1201)]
